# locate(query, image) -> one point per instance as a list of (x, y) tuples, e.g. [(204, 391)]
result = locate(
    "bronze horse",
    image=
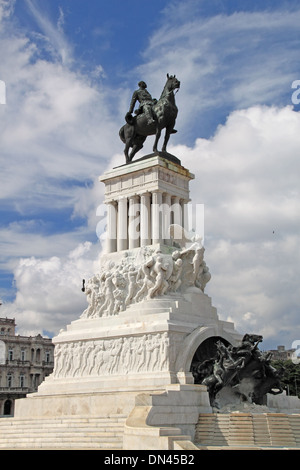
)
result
[(164, 111)]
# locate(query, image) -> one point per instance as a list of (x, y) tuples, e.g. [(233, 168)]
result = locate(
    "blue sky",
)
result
[(70, 67)]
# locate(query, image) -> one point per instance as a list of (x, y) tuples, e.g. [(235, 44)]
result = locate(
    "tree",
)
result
[(290, 376)]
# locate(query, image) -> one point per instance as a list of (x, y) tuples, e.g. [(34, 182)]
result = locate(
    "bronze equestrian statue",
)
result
[(151, 117)]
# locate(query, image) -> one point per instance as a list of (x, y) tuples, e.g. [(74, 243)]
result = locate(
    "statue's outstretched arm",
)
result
[(133, 101)]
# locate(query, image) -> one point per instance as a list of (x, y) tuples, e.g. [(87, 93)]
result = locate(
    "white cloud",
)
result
[(223, 61), (6, 8), (53, 34), (247, 175), (57, 126), (49, 292)]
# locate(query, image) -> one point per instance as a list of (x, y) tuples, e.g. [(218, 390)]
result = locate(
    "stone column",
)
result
[(185, 214), (122, 224), (155, 219), (166, 216), (176, 209), (111, 242), (134, 222), (145, 219)]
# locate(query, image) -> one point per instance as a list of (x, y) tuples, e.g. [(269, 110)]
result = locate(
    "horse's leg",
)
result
[(134, 150), (126, 150), (157, 136), (166, 140), (137, 146), (129, 135)]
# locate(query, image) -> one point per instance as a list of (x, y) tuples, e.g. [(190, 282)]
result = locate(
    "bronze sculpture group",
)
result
[(244, 369)]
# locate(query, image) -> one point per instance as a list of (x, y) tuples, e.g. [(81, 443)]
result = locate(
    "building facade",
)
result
[(25, 361), (282, 354)]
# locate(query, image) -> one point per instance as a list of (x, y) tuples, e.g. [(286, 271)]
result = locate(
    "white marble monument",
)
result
[(147, 310)]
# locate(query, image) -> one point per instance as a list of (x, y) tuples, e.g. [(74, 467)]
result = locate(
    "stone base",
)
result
[(83, 404), (165, 155), (160, 419), (146, 348), (116, 384), (155, 419), (283, 403)]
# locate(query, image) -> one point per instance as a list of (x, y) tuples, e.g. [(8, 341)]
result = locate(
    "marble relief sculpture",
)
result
[(118, 285), (148, 352)]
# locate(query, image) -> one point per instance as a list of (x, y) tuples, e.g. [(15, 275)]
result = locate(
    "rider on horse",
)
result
[(146, 102), (153, 116)]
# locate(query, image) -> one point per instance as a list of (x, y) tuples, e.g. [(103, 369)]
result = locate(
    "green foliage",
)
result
[(289, 375)]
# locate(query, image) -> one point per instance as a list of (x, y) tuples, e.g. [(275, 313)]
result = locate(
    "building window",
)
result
[(38, 355), (22, 355), (9, 380), (10, 354), (22, 381), (47, 357)]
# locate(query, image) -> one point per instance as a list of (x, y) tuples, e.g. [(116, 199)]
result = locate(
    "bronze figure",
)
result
[(151, 117)]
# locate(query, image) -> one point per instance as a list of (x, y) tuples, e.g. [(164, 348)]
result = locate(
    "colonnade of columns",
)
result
[(141, 220)]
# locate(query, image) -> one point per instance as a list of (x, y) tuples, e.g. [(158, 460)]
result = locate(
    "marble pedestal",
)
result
[(147, 310), (145, 348)]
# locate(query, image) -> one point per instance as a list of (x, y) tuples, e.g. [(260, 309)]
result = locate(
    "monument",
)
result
[(148, 318)]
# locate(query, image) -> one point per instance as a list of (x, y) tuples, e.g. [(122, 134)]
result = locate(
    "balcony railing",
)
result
[(19, 362), (16, 389)]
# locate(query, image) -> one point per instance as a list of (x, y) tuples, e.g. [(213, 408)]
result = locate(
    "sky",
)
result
[(69, 68)]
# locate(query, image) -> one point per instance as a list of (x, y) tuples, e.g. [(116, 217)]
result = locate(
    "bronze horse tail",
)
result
[(122, 135)]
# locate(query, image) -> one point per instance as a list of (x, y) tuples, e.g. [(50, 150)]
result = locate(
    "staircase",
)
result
[(63, 433), (240, 430)]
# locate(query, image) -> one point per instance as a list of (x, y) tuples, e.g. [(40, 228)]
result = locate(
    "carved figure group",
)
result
[(118, 286), (122, 355)]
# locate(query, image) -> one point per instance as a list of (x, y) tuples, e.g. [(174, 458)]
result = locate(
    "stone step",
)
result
[(242, 429), (72, 428), (63, 446), (61, 438), (18, 434), (70, 446), (63, 419), (68, 432)]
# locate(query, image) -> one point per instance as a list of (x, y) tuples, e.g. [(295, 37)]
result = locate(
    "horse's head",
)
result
[(172, 83), (252, 338)]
